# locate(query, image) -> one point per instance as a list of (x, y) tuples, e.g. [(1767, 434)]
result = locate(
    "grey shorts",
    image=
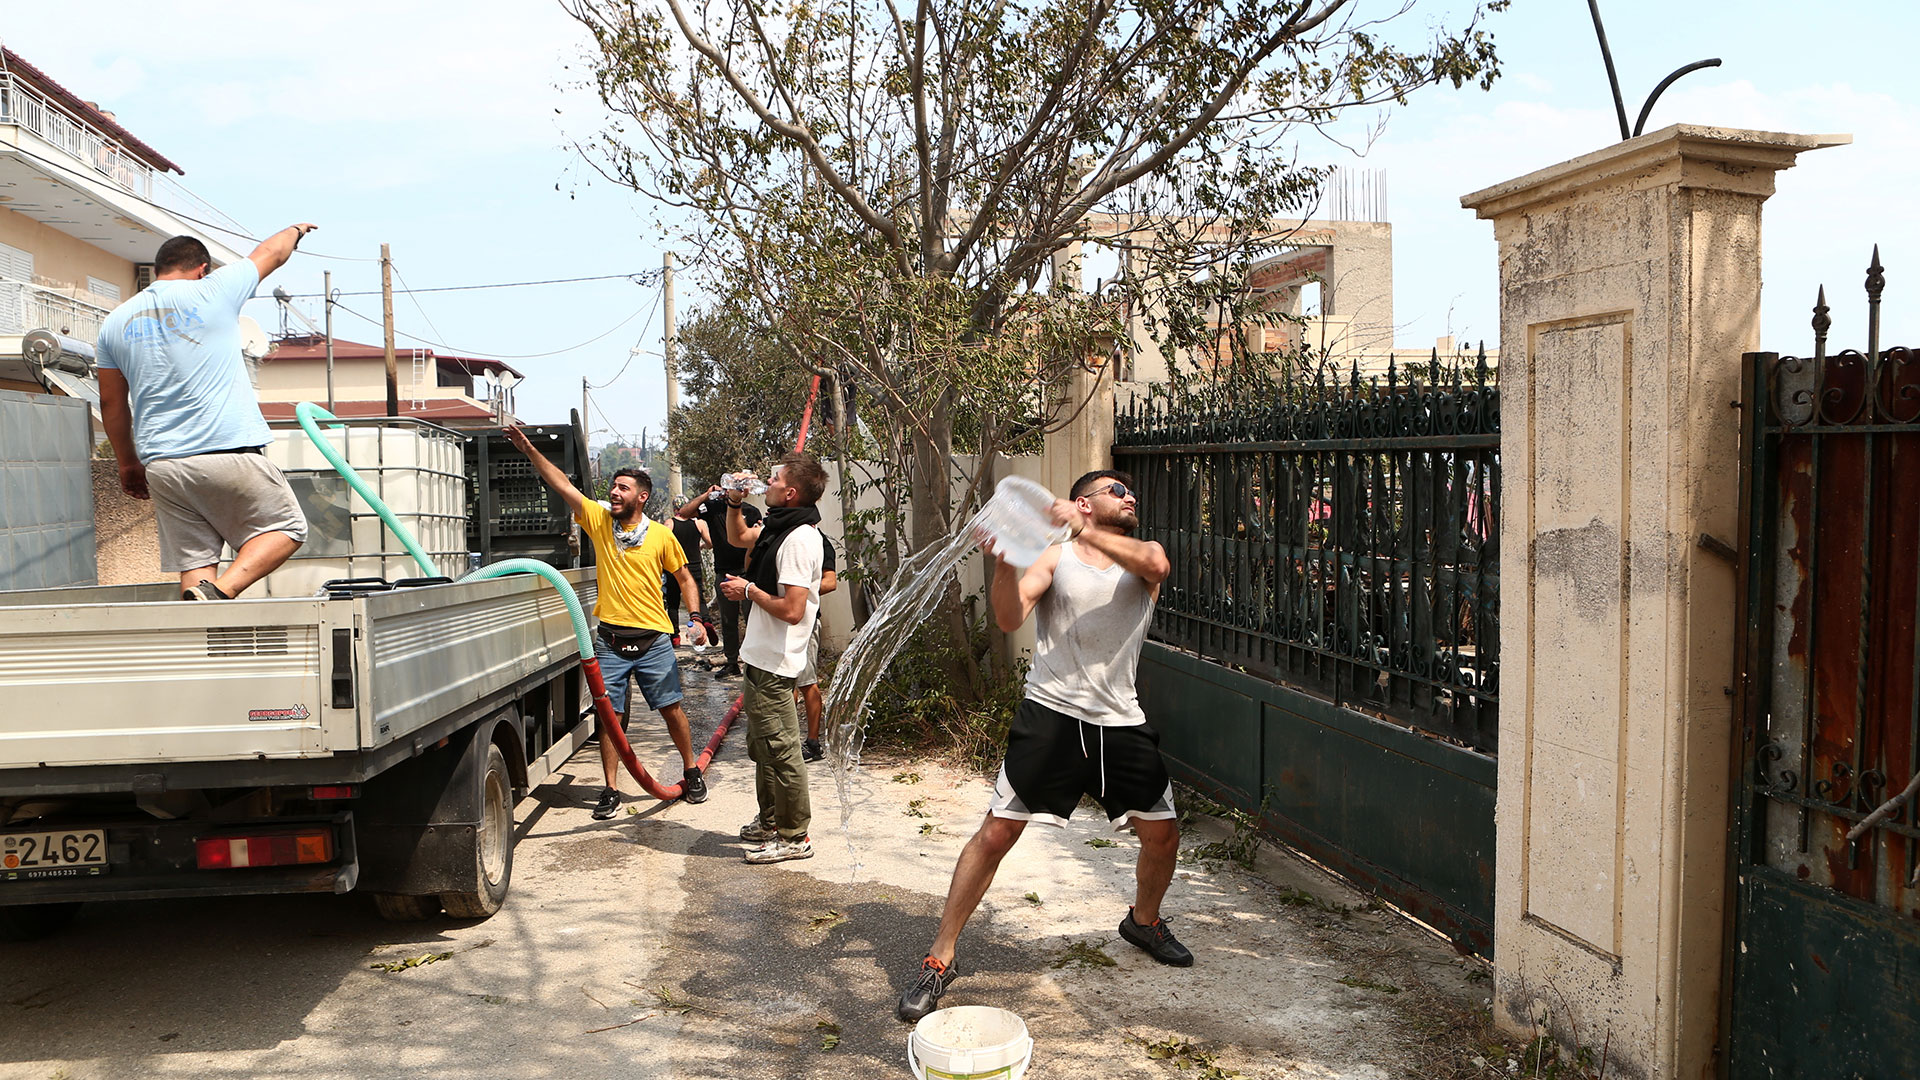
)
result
[(810, 675), (203, 501)]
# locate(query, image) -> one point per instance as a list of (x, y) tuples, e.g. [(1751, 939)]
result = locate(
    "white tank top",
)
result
[(1089, 626)]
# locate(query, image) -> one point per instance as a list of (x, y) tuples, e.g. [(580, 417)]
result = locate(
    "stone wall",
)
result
[(1630, 288)]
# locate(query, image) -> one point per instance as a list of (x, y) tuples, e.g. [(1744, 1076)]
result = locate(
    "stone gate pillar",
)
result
[(1629, 288)]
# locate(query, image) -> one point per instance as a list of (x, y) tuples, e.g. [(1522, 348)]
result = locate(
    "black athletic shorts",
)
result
[(1053, 759)]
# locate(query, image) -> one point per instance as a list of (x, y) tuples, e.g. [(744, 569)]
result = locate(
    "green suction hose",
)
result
[(609, 725), (307, 412)]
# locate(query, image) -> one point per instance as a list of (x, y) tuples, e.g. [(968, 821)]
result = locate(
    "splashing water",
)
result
[(915, 590)]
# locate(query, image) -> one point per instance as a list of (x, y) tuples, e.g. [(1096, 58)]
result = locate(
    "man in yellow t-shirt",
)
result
[(635, 636)]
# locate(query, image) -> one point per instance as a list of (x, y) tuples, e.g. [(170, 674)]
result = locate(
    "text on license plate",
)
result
[(52, 851)]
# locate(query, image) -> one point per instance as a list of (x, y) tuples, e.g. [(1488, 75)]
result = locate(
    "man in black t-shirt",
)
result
[(692, 535), (711, 508)]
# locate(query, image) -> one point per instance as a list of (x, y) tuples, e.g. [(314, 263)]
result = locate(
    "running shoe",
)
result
[(730, 671), (1157, 940), (924, 995), (693, 787), (608, 805), (757, 833), (778, 850), (811, 750), (205, 590)]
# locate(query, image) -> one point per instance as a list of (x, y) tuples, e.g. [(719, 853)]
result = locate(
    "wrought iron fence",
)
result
[(1337, 533)]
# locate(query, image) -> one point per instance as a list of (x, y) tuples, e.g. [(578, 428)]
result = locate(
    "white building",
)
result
[(84, 204)]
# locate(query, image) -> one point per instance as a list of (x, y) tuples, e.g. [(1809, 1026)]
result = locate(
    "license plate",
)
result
[(63, 853)]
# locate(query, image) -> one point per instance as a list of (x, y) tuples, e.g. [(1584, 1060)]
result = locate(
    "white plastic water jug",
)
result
[(1019, 520)]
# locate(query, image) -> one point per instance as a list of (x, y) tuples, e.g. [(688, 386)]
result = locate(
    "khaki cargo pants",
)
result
[(773, 743)]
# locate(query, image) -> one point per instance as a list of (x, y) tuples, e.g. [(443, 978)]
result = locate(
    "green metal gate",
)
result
[(1823, 957), (1326, 650)]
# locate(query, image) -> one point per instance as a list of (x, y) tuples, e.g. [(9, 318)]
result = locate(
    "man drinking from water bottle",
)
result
[(781, 591), (634, 638), (1080, 729)]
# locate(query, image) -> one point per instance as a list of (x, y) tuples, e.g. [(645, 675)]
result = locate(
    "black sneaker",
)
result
[(811, 750), (1157, 940), (608, 805), (924, 995), (693, 787), (729, 671)]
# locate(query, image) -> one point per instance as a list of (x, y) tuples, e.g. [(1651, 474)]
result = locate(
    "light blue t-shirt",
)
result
[(178, 345)]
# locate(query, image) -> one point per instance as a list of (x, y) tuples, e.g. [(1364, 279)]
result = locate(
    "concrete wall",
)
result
[(65, 262), (1630, 287), (126, 540)]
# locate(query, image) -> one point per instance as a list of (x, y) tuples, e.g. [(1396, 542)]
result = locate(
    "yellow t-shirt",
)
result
[(630, 578)]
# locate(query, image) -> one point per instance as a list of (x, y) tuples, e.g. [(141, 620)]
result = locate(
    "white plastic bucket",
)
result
[(969, 1042), (1019, 520)]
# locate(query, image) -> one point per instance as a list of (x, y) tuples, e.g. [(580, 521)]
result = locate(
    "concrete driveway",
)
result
[(644, 947)]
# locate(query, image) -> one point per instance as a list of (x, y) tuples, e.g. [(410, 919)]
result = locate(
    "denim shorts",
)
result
[(657, 672)]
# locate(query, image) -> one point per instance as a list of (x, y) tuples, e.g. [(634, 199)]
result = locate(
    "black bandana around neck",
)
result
[(763, 565)]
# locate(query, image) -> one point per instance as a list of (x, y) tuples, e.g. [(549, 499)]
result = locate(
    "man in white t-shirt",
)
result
[(781, 592)]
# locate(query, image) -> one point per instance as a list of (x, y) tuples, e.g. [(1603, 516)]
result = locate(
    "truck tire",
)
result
[(398, 907), (492, 844), (26, 922)]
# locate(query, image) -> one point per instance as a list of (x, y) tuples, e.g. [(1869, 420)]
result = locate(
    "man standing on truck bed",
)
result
[(185, 423), (634, 639)]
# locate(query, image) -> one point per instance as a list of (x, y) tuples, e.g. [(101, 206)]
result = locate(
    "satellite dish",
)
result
[(253, 340)]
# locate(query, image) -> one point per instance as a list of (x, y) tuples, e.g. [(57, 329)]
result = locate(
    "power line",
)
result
[(487, 355), (635, 351), (643, 279)]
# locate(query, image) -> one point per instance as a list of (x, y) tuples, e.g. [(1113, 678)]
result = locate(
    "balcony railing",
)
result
[(23, 105), (96, 153), (25, 307)]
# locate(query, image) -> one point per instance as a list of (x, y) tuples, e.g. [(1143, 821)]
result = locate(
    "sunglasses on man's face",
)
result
[(1115, 489)]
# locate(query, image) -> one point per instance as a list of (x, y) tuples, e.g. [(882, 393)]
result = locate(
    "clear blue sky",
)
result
[(445, 132)]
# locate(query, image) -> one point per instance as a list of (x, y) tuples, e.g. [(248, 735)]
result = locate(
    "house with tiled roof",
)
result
[(453, 391)]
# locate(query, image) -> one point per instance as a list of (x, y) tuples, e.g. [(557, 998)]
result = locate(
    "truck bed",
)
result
[(107, 676)]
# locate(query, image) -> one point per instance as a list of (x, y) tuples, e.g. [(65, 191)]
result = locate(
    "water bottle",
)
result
[(1018, 519), (752, 485)]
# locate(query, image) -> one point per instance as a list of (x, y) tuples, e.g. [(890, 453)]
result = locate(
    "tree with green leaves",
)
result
[(896, 190), (891, 184)]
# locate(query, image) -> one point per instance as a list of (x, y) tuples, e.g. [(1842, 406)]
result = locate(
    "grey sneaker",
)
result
[(757, 833), (924, 995), (1157, 940), (778, 850)]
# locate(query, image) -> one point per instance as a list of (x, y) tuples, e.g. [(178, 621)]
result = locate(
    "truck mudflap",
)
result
[(147, 859)]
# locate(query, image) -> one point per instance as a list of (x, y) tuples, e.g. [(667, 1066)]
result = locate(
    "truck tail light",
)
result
[(290, 848), (334, 791)]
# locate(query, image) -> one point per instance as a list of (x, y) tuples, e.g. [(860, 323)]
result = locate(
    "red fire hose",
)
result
[(610, 730)]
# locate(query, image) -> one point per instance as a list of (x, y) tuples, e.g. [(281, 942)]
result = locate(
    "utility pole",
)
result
[(386, 303), (671, 347), (326, 286), (586, 435)]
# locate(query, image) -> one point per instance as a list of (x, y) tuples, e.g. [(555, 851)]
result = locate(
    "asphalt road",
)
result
[(645, 947)]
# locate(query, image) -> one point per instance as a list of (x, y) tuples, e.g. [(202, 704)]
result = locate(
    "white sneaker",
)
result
[(778, 850)]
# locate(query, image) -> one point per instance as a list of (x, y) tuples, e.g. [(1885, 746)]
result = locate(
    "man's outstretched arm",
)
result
[(275, 250), (550, 473)]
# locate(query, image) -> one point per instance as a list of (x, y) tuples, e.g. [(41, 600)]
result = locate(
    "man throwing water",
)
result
[(1080, 729)]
